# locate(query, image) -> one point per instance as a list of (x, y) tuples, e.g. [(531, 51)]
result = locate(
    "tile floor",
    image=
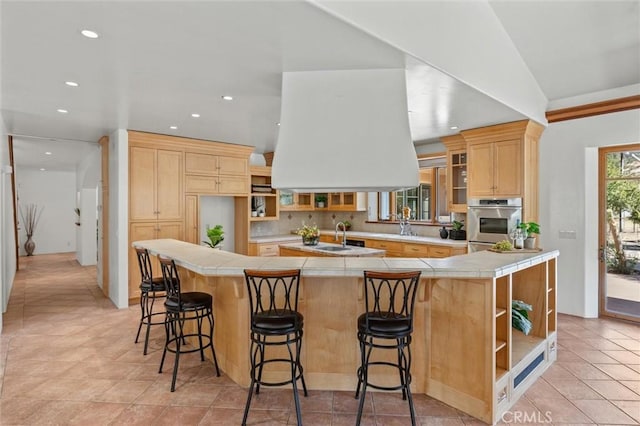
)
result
[(67, 357)]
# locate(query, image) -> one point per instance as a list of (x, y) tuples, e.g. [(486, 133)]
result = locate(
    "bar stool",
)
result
[(387, 324), (150, 289), (182, 307), (275, 321)]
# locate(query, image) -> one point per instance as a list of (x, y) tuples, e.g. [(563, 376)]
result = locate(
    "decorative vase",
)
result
[(444, 233), (29, 246), (320, 204), (310, 241)]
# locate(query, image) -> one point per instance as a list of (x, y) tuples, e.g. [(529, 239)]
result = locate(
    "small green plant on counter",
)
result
[(321, 198), (520, 316), (216, 236), (530, 228), (457, 226)]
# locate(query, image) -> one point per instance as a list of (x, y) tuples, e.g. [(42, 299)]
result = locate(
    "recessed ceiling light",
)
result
[(227, 98), (48, 153), (194, 115), (453, 127), (71, 83), (42, 170), (63, 111), (277, 124), (173, 127), (89, 34)]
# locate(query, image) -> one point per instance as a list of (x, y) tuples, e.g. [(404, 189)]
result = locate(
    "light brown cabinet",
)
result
[(192, 219), (155, 184), (149, 231), (495, 169), (215, 174), (456, 173), (336, 201)]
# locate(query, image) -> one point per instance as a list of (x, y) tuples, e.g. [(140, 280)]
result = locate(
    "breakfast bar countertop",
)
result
[(206, 261), (326, 249), (358, 234)]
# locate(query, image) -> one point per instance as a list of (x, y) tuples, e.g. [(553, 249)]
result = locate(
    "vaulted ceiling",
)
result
[(155, 64)]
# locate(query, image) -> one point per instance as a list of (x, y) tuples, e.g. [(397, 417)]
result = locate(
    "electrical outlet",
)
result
[(567, 235)]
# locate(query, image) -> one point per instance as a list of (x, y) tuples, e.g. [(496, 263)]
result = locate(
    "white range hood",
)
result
[(344, 131)]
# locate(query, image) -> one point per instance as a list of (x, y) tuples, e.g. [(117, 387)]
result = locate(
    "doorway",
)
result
[(619, 231)]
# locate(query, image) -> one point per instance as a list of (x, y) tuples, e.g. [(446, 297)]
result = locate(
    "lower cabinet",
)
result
[(192, 219), (148, 231), (268, 249), (393, 248)]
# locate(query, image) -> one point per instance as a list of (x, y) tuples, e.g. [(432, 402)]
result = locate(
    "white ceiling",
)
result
[(156, 63)]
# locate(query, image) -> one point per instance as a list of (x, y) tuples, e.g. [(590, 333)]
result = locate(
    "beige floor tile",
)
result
[(560, 410), (631, 408), (624, 357), (181, 416), (611, 389), (619, 372), (586, 371), (603, 411), (574, 389)]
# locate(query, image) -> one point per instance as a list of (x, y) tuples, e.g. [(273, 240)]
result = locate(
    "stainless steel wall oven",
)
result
[(491, 220)]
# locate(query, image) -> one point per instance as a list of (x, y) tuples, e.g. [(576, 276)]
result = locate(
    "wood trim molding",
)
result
[(14, 199), (596, 108)]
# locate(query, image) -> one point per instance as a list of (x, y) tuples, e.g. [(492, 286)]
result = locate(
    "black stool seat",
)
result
[(275, 321), (190, 301), (387, 324), (382, 326), (157, 284), (180, 308), (151, 288)]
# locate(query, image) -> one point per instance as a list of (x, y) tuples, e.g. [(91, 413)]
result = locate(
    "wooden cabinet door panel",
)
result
[(393, 248), (139, 232), (142, 180), (438, 251), (269, 250), (174, 230), (415, 250), (233, 185), (169, 180), (507, 168), (191, 219), (201, 184), (233, 166), (480, 170), (201, 164)]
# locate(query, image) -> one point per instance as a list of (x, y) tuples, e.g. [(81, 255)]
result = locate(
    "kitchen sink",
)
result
[(333, 248)]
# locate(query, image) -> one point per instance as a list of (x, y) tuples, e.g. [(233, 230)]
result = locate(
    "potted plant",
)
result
[(531, 229), (310, 235), (346, 225), (321, 200), (457, 233), (216, 237)]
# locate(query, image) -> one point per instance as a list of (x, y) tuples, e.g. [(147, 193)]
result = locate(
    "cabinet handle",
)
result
[(502, 395)]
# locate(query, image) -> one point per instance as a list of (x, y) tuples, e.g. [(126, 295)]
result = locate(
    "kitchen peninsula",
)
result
[(465, 352)]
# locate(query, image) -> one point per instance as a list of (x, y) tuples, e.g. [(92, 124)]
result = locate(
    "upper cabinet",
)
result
[(502, 161), (456, 173), (155, 184), (264, 199), (216, 174), (495, 169)]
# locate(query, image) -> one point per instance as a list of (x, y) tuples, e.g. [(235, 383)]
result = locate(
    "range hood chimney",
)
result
[(344, 131)]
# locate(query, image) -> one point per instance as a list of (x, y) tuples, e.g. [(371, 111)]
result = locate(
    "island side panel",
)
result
[(461, 337)]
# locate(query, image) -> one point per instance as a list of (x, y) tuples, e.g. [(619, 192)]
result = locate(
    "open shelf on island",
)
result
[(522, 345), (500, 344), (500, 372)]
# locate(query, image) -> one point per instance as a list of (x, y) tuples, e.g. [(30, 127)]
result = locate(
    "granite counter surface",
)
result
[(205, 261)]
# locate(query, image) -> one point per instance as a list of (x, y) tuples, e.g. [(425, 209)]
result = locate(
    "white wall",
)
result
[(218, 211), (118, 218), (54, 194), (569, 200)]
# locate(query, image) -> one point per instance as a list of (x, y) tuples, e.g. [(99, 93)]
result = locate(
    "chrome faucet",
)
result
[(344, 233)]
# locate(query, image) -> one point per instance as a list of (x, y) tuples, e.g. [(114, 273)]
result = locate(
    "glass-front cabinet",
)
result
[(456, 172)]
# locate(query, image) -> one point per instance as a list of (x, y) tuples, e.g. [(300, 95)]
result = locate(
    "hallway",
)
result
[(67, 357)]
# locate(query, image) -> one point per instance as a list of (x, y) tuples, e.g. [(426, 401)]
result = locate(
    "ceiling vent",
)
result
[(344, 131)]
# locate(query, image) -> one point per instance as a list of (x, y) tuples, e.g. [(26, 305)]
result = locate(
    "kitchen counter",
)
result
[(365, 235), (326, 249), (465, 351), (205, 261)]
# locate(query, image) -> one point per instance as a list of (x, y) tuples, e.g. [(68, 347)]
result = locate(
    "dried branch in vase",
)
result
[(30, 217)]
